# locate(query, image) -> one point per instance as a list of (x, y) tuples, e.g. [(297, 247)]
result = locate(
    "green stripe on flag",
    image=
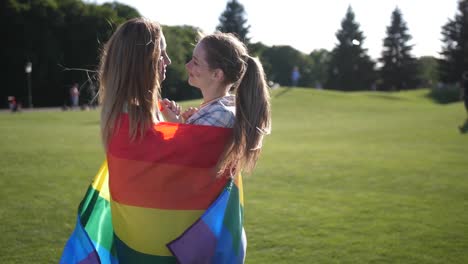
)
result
[(95, 216), (129, 255), (233, 219)]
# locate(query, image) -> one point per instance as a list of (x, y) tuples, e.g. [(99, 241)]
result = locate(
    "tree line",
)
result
[(348, 67), (62, 41)]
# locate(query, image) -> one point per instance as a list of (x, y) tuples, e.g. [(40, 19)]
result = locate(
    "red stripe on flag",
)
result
[(169, 143), (162, 186)]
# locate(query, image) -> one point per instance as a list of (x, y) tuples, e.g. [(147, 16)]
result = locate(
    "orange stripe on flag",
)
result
[(163, 186)]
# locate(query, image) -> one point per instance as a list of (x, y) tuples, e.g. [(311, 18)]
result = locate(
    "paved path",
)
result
[(40, 109)]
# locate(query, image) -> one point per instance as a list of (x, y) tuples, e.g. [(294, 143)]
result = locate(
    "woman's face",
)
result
[(164, 59), (197, 68)]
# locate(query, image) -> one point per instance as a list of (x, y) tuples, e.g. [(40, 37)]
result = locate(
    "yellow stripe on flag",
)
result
[(101, 181), (148, 230), (238, 183)]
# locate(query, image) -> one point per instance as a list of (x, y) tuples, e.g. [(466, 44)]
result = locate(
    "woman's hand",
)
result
[(189, 112), (171, 111)]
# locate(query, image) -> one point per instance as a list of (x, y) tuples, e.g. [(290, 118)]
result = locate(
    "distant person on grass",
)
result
[(295, 76), (12, 104), (74, 95)]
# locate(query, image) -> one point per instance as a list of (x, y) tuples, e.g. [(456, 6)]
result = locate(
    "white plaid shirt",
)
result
[(219, 113)]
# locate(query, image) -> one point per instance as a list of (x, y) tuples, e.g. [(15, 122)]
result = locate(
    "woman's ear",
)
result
[(218, 75)]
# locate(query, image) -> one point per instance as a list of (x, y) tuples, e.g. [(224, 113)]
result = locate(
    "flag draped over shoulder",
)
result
[(158, 200)]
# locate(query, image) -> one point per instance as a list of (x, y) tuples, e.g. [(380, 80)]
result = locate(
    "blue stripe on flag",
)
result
[(224, 250), (213, 217), (79, 247), (104, 255)]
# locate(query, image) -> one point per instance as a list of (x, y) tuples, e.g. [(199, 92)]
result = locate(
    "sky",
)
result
[(307, 25)]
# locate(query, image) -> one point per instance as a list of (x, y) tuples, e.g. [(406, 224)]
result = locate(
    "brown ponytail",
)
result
[(253, 120)]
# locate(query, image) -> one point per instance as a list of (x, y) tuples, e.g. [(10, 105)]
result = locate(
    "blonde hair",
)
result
[(253, 116), (129, 77)]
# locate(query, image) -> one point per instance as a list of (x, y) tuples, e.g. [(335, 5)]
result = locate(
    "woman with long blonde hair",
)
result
[(157, 198), (133, 65)]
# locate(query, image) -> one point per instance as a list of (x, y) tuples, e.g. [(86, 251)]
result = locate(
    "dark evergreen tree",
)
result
[(399, 68), (455, 46), (233, 20), (350, 66)]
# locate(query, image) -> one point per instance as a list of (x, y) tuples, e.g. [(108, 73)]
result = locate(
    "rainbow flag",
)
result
[(158, 200)]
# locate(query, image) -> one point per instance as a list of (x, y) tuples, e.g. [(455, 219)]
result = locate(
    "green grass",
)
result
[(343, 178)]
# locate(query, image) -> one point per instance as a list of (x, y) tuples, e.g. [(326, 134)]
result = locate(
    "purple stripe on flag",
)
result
[(92, 258), (196, 245)]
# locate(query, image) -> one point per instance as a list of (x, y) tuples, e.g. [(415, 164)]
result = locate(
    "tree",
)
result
[(320, 66), (124, 12), (428, 71), (350, 66), (257, 49), (53, 35), (282, 60), (454, 53), (279, 61), (180, 40), (399, 69), (31, 28), (233, 20)]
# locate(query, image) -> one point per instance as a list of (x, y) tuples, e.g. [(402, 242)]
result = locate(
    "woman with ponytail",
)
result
[(235, 95)]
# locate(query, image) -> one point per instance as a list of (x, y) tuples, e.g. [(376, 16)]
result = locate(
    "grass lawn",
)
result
[(344, 178)]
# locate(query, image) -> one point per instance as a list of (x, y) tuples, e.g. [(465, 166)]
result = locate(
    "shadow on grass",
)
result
[(386, 96), (283, 92), (464, 128)]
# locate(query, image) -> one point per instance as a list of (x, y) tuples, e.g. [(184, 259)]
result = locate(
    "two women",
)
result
[(174, 192)]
